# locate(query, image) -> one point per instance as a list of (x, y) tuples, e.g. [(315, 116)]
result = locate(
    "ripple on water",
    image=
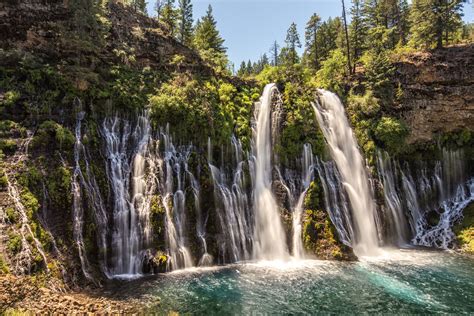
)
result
[(399, 281)]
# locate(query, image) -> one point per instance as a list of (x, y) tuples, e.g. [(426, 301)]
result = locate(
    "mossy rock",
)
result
[(465, 230), (320, 237)]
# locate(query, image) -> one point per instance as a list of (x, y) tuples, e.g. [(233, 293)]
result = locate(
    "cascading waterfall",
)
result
[(130, 187), (412, 198), (87, 183), (307, 163), (174, 200), (24, 259), (78, 210), (269, 236), (335, 200), (333, 122), (206, 258), (387, 176), (232, 209)]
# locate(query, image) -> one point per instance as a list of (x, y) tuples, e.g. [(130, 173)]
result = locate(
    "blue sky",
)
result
[(249, 27)]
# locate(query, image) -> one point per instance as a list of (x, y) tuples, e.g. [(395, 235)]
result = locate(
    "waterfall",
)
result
[(174, 201), (269, 236), (87, 183), (388, 177), (414, 196), (78, 210), (232, 208), (126, 154), (442, 235), (307, 164), (335, 200), (26, 256), (333, 122)]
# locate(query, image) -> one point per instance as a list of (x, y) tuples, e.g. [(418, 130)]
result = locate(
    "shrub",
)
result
[(391, 133)]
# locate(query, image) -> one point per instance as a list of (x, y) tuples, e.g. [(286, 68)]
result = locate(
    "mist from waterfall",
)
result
[(269, 236), (333, 122)]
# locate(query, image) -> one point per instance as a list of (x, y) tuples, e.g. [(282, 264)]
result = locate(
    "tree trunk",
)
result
[(347, 38)]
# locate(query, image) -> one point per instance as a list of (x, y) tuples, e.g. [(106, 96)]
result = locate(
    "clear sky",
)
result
[(249, 27)]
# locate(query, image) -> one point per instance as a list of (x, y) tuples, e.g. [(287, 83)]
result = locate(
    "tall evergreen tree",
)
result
[(158, 8), (274, 53), (209, 42), (347, 42), (326, 37), (207, 36), (311, 49), (139, 5), (169, 16), (432, 21), (357, 32), (185, 21), (292, 42)]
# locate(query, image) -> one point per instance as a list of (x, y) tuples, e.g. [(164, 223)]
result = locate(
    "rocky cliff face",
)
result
[(438, 92)]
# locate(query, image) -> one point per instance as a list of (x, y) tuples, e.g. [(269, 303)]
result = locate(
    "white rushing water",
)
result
[(77, 209), (307, 164), (174, 201), (127, 155), (442, 191), (333, 122), (269, 235)]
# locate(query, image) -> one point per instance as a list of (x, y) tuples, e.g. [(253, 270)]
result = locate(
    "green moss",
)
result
[(465, 230), (14, 243), (8, 146), (10, 98), (3, 266), (53, 135), (12, 215)]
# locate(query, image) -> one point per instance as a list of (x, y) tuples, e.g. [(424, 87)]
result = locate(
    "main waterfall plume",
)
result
[(270, 241), (332, 119)]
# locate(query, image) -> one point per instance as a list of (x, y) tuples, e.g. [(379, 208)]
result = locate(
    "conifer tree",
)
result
[(357, 32), (158, 8), (169, 16), (347, 42), (274, 53), (292, 42), (311, 49), (432, 21), (207, 36), (209, 42), (185, 21)]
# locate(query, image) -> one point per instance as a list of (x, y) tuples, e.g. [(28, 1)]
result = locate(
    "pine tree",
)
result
[(328, 32), (274, 53), (169, 16), (432, 21), (311, 50), (242, 72), (358, 32), (139, 5), (185, 21), (207, 36), (158, 8), (347, 42), (209, 42), (292, 42), (403, 26)]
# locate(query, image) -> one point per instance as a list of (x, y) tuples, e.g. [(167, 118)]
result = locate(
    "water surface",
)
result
[(401, 281)]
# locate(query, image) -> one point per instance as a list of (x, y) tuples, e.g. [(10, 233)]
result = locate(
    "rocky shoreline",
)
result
[(24, 295)]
